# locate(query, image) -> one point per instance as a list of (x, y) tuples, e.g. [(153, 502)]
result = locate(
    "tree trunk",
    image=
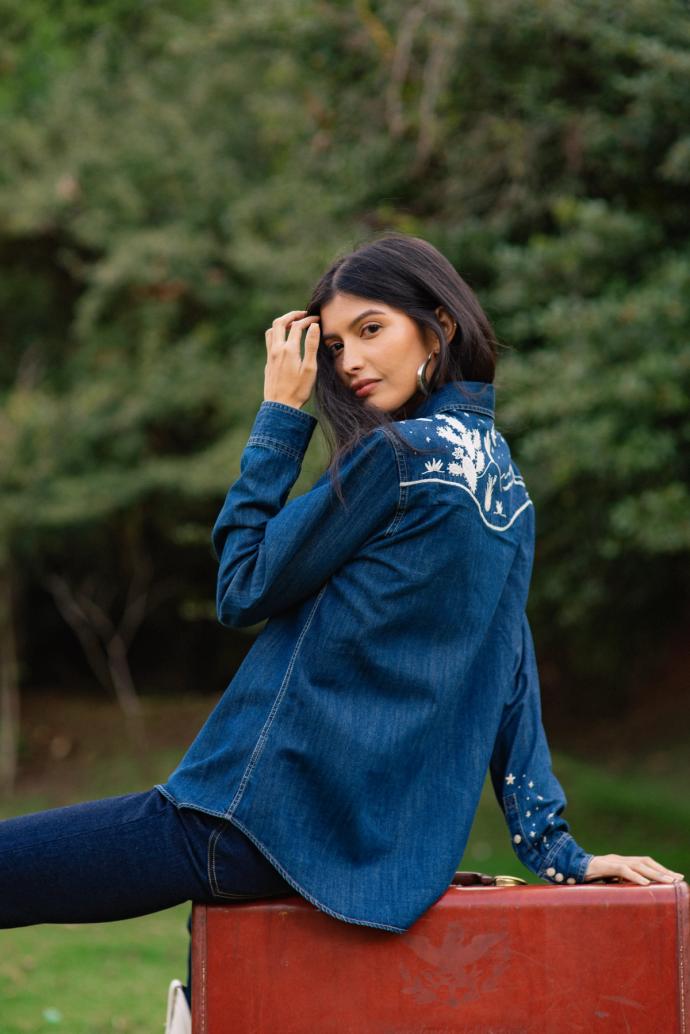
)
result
[(9, 689)]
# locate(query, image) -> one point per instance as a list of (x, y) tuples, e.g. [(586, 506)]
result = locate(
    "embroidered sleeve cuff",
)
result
[(283, 428), (566, 863)]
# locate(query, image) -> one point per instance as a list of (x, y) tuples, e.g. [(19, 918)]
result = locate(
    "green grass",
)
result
[(91, 979), (98, 977), (110, 977)]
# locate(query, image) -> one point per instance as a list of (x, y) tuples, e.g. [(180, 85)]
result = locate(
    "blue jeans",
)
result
[(121, 857)]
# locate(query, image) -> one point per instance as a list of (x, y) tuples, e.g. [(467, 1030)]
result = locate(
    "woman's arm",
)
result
[(530, 795), (533, 800), (274, 553)]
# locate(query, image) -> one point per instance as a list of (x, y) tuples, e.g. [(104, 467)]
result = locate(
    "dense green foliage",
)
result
[(174, 176)]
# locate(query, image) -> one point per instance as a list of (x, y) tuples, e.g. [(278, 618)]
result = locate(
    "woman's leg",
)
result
[(121, 857), (98, 861)]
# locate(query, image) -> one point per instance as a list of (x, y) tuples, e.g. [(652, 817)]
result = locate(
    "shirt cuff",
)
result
[(284, 428), (566, 863)]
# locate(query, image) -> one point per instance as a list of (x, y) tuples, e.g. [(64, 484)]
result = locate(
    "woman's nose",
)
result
[(352, 360)]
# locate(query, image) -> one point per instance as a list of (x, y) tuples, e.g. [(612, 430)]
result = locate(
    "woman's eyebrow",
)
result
[(367, 312)]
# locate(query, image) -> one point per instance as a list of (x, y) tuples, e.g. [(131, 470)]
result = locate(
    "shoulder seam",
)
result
[(401, 474)]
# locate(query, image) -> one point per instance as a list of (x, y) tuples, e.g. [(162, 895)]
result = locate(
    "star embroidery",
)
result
[(510, 779), (531, 784)]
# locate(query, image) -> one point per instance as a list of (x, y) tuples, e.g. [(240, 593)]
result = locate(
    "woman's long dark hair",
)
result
[(409, 274)]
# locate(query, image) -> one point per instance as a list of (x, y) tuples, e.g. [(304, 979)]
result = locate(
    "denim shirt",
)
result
[(396, 667)]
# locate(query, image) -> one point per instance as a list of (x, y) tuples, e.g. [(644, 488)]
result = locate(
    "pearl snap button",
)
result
[(571, 879), (550, 871), (558, 876), (517, 838)]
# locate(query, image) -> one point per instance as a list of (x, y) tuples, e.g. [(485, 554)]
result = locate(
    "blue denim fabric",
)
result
[(121, 857), (396, 667)]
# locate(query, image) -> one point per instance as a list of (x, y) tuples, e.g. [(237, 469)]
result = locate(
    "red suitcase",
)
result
[(605, 956)]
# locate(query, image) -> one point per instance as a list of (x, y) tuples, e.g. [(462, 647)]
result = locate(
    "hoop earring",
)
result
[(424, 385)]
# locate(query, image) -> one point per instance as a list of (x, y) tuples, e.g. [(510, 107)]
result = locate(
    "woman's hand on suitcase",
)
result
[(288, 378), (635, 868)]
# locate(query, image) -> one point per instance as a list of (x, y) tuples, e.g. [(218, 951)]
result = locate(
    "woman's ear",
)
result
[(447, 322)]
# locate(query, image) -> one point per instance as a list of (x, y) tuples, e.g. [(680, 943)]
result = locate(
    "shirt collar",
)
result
[(479, 398)]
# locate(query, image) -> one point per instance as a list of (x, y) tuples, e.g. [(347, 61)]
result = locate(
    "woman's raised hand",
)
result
[(636, 868), (288, 377)]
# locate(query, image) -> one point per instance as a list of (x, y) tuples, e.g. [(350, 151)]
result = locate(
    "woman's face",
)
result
[(368, 340)]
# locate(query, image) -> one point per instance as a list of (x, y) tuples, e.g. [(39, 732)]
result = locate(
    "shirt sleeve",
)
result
[(272, 553), (530, 795)]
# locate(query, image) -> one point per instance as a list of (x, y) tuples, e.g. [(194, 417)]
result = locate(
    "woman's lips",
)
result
[(366, 389)]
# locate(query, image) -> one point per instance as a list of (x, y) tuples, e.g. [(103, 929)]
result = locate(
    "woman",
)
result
[(346, 759)]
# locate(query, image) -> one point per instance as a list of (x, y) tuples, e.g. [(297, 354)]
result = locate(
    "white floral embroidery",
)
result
[(488, 491), (510, 478), (468, 449), (478, 461), (473, 458)]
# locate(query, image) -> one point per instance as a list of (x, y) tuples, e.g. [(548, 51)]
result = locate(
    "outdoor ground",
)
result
[(97, 979)]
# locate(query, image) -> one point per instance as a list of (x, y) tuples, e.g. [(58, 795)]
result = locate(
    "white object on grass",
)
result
[(178, 1018)]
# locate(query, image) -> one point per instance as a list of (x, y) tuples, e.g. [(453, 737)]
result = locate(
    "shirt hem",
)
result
[(276, 864)]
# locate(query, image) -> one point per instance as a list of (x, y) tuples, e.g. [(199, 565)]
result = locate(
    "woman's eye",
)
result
[(338, 344)]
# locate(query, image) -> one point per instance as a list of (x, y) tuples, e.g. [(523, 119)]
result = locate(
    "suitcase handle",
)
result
[(482, 879)]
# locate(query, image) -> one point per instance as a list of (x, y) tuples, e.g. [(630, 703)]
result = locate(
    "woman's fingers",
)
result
[(311, 347), (295, 333), (636, 868), (659, 870), (652, 869), (276, 334), (288, 319), (279, 324), (658, 873), (289, 377)]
